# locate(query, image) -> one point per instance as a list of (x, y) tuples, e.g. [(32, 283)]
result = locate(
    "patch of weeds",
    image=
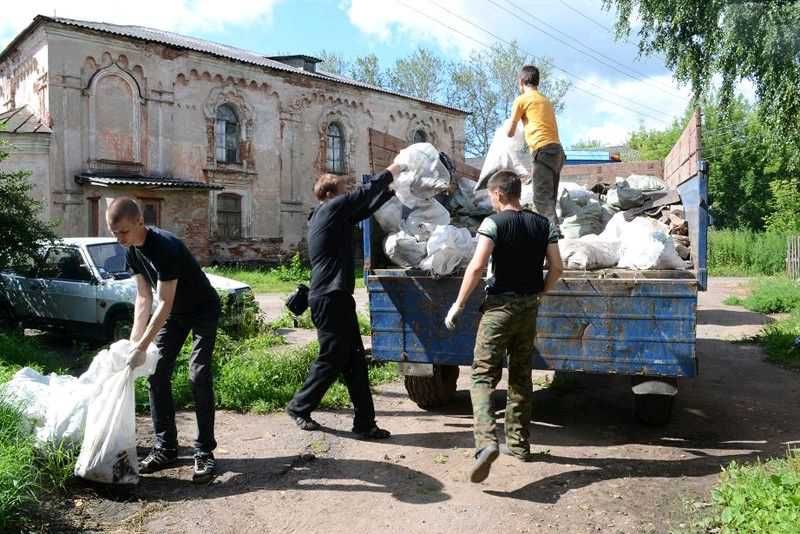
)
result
[(288, 320), (733, 300), (294, 271), (26, 472), (319, 446), (779, 340), (762, 497), (773, 295), (364, 325)]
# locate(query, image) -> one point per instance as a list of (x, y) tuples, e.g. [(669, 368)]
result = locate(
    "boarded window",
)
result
[(335, 149), (420, 136), (229, 216), (114, 120), (227, 135), (94, 216), (151, 210)]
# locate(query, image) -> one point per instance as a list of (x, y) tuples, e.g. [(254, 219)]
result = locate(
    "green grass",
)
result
[(776, 295), (770, 295), (257, 374), (762, 497), (746, 253), (287, 320), (269, 280), (27, 473)]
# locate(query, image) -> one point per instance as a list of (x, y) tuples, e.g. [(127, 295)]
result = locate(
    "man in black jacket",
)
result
[(333, 310)]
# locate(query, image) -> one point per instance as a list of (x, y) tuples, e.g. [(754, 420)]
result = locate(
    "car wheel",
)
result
[(119, 327)]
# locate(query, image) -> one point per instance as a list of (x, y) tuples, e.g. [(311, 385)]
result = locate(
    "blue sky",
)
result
[(628, 92)]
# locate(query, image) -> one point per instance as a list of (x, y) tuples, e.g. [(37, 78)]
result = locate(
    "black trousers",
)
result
[(169, 341), (340, 351)]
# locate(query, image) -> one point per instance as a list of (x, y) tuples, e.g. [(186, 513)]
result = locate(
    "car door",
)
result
[(17, 288), (68, 289)]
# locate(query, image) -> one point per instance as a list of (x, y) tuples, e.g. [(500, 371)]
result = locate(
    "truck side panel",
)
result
[(631, 327)]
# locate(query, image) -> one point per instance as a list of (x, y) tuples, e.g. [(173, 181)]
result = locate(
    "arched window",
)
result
[(335, 149), (226, 135), (420, 136), (229, 216)]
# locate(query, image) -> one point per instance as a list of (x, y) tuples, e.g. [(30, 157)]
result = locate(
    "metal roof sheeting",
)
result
[(216, 49), (127, 180), (22, 120)]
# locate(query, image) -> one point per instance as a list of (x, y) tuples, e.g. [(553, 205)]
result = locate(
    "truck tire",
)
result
[(119, 326), (653, 398), (653, 410), (431, 392)]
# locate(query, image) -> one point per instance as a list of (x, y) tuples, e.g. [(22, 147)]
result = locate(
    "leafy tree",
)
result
[(732, 39), (655, 144), (21, 229), (589, 144), (367, 69), (784, 216), (486, 84), (333, 62), (420, 75)]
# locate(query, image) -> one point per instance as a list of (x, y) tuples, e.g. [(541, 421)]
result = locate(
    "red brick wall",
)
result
[(681, 163), (590, 175)]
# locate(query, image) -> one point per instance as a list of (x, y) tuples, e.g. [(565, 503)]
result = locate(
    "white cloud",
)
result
[(173, 15)]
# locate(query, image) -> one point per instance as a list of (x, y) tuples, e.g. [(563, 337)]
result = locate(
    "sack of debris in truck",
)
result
[(637, 222)]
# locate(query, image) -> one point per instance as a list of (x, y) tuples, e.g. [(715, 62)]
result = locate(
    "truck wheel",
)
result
[(653, 399), (431, 392), (119, 327), (653, 410)]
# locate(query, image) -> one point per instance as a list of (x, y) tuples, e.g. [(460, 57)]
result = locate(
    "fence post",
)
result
[(793, 257)]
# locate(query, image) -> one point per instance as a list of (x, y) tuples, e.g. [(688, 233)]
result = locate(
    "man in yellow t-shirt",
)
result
[(541, 135)]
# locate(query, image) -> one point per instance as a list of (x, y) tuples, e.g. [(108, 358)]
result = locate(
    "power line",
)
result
[(556, 67), (590, 19), (593, 54)]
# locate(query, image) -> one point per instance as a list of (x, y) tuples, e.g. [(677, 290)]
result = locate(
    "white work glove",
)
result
[(136, 358), (452, 316)]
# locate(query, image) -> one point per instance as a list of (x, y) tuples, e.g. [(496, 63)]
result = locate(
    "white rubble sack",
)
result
[(108, 452), (404, 250), (645, 182), (390, 215), (425, 176), (425, 218), (506, 153), (588, 253), (447, 248), (646, 244)]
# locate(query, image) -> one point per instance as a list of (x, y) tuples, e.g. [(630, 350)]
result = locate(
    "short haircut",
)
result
[(123, 208), (529, 75), (327, 185), (507, 183)]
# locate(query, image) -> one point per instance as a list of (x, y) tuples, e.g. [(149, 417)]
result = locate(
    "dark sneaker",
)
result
[(372, 433), (523, 456), (205, 466), (157, 460), (303, 422), (484, 459)]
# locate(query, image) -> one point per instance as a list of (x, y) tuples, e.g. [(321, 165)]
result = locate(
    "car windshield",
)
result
[(109, 257)]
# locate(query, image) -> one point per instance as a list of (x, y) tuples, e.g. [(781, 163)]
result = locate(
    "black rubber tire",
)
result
[(118, 326), (431, 392), (653, 410)]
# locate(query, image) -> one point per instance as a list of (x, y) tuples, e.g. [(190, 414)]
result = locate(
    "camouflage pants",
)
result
[(508, 326), (546, 163)]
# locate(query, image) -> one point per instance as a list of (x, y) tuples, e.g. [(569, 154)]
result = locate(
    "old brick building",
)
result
[(220, 145)]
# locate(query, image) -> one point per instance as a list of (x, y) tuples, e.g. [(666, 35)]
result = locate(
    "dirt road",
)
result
[(604, 473)]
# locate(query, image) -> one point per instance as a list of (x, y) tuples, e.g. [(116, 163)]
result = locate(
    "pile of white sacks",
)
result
[(419, 233)]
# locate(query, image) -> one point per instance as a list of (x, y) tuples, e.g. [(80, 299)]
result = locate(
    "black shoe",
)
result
[(303, 422), (372, 433), (205, 466), (484, 459), (157, 460), (523, 456)]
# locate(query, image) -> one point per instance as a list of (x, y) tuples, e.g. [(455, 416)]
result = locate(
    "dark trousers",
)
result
[(169, 341), (547, 163), (340, 351)]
